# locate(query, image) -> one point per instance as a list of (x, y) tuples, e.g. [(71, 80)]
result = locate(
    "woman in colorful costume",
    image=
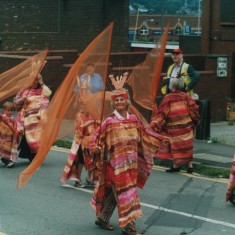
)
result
[(123, 153), (176, 118), (230, 194), (8, 136), (79, 152), (31, 103)]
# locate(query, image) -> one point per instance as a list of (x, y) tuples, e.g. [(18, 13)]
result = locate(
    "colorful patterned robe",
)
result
[(175, 118), (231, 181), (82, 136), (31, 112), (8, 138), (127, 149)]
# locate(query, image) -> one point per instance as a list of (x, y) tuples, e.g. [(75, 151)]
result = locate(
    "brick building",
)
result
[(64, 27), (218, 37), (60, 24)]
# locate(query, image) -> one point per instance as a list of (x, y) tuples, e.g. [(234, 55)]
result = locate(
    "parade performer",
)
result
[(31, 103), (79, 152), (230, 194), (176, 117), (8, 136), (123, 152)]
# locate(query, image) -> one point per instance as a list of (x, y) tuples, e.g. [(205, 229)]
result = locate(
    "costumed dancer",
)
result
[(176, 117), (230, 194), (79, 152), (31, 104), (123, 151), (8, 136)]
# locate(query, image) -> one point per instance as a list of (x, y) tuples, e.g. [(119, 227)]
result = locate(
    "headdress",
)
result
[(118, 84)]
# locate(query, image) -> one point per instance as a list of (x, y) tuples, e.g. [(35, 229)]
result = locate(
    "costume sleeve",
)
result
[(159, 118), (19, 99), (194, 77), (150, 143), (46, 90), (99, 136)]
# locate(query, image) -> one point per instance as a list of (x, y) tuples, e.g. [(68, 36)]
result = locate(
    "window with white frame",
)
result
[(178, 30), (144, 30)]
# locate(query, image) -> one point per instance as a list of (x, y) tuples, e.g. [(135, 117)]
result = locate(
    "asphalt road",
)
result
[(172, 204)]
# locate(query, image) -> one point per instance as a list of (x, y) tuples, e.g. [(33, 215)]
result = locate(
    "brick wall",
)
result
[(61, 24), (217, 37)]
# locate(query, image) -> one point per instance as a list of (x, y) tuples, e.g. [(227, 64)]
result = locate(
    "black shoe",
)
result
[(104, 225), (190, 170), (5, 162), (10, 164), (89, 184), (173, 169), (79, 185)]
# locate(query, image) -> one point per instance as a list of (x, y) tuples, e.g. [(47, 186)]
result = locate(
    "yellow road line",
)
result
[(194, 175)]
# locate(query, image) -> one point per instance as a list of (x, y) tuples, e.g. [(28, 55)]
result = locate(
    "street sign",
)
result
[(222, 66)]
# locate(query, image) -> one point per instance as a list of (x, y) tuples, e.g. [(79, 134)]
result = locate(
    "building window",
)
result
[(227, 9), (178, 30), (144, 30)]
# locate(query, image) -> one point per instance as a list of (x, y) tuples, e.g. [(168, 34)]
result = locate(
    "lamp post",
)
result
[(136, 24), (199, 16)]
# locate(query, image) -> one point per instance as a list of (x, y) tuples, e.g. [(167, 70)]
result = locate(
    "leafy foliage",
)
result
[(172, 7)]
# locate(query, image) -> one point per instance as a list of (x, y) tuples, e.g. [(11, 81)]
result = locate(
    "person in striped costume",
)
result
[(31, 104), (230, 193), (176, 117), (123, 150), (8, 136)]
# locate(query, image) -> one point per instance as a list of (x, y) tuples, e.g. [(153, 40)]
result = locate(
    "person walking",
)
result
[(123, 151), (31, 104), (230, 193), (176, 118), (8, 136), (79, 153)]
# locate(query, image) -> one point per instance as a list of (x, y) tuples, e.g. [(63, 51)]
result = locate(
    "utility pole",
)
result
[(199, 17), (136, 25), (161, 17)]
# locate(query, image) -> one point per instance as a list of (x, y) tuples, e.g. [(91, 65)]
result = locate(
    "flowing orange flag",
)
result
[(22, 75), (145, 77), (62, 110)]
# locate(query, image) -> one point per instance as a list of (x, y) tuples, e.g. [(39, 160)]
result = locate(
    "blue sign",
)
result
[(187, 29)]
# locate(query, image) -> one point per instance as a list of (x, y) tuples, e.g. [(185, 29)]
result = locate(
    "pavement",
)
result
[(219, 149)]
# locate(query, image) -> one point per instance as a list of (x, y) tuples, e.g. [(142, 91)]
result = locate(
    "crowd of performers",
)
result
[(117, 152)]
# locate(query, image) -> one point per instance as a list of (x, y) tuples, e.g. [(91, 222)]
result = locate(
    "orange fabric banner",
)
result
[(145, 77), (22, 75), (60, 115)]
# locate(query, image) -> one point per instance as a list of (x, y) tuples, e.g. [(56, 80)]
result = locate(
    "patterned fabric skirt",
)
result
[(180, 148), (231, 182), (8, 143), (70, 171), (127, 197), (32, 132)]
